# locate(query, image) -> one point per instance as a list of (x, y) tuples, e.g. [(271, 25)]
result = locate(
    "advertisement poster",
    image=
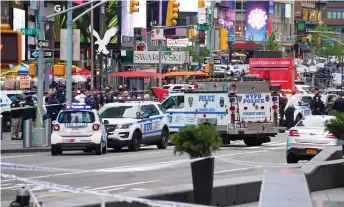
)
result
[(229, 21), (257, 18)]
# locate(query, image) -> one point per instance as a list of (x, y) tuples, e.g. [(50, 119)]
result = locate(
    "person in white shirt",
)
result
[(81, 97)]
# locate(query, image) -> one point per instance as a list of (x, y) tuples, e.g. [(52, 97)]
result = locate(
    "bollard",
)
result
[(1, 126), (27, 133), (23, 197), (47, 128)]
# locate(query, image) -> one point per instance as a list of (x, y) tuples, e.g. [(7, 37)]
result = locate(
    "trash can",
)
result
[(47, 129), (27, 133), (1, 126)]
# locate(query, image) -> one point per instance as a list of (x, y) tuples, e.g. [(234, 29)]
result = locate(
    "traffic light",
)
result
[(201, 4), (192, 33), (309, 37), (133, 6), (172, 13), (11, 47), (223, 39)]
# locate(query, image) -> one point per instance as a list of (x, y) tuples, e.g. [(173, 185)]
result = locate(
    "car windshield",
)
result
[(306, 89), (313, 121), (14, 96), (76, 117), (120, 112)]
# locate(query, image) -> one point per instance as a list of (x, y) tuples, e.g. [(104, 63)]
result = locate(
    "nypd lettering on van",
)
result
[(253, 98)]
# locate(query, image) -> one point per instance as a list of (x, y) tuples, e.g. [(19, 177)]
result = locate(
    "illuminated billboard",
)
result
[(257, 18)]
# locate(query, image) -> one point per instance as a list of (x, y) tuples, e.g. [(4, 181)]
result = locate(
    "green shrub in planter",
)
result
[(336, 126), (197, 141)]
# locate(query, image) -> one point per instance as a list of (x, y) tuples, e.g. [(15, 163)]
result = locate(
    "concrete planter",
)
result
[(203, 179)]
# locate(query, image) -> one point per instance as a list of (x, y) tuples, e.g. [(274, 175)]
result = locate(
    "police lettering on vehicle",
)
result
[(148, 127), (254, 113), (207, 98), (253, 98)]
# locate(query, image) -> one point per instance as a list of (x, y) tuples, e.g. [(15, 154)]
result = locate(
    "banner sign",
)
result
[(177, 42), (152, 57), (271, 62), (257, 18)]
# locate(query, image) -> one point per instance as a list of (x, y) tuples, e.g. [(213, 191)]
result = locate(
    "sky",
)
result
[(184, 5)]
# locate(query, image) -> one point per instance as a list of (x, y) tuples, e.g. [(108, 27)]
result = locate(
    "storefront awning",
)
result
[(181, 74), (138, 74)]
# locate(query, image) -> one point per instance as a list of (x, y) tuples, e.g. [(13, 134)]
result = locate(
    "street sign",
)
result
[(43, 44), (203, 27), (206, 60), (34, 54), (231, 38), (29, 31), (217, 61), (167, 53)]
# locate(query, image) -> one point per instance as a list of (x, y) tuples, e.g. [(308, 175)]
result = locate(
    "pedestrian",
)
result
[(53, 107), (134, 93), (81, 97), (60, 94), (339, 103), (289, 111), (15, 118), (28, 112), (282, 104), (317, 105)]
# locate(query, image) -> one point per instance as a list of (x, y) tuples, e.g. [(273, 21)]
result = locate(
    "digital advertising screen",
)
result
[(127, 20), (18, 23), (257, 18)]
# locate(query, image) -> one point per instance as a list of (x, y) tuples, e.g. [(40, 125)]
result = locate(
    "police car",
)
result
[(132, 123), (78, 127)]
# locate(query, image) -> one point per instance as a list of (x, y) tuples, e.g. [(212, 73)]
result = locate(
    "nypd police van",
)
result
[(245, 110), (135, 123), (78, 127)]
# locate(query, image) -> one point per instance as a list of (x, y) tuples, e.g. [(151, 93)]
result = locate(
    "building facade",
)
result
[(334, 14)]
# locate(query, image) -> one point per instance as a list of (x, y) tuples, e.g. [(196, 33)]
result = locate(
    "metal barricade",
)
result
[(27, 133), (1, 126), (47, 129)]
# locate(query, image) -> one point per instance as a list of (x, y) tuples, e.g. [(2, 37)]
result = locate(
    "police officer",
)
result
[(289, 111), (29, 111), (53, 107), (282, 104), (338, 105), (15, 118), (317, 105)]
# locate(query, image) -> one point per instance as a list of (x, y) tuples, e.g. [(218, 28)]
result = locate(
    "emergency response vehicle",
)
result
[(132, 123), (78, 127), (243, 109)]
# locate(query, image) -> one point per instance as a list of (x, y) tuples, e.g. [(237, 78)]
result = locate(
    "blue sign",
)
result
[(78, 106), (207, 98), (253, 98)]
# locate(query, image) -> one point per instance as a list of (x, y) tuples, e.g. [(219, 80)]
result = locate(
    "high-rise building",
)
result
[(334, 14)]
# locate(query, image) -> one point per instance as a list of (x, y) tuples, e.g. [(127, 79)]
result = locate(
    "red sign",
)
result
[(271, 62)]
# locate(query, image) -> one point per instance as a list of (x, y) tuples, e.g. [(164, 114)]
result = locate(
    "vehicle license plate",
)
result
[(311, 151), (68, 140)]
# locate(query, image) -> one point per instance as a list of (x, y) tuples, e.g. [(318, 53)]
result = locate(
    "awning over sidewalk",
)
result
[(181, 74), (132, 74)]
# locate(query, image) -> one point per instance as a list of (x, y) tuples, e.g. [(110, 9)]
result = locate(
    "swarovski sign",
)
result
[(152, 57)]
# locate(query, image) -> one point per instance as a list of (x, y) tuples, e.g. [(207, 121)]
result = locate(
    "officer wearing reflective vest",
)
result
[(317, 105)]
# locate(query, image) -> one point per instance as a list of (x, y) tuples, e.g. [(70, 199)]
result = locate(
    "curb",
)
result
[(25, 150)]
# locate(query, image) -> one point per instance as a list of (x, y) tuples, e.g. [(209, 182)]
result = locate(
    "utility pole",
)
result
[(69, 53), (92, 52), (211, 36), (39, 133)]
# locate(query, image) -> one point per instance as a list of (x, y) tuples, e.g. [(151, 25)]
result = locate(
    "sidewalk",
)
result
[(16, 146)]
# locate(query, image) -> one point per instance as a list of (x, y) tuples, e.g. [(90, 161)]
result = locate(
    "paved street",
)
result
[(115, 182)]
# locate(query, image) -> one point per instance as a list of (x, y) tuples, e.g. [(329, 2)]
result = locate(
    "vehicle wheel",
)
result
[(291, 158), (54, 151), (252, 142), (163, 143), (104, 150), (135, 142), (99, 149)]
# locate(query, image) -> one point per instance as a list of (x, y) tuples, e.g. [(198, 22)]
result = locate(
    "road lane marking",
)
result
[(110, 190), (15, 156), (137, 189), (236, 169), (124, 185)]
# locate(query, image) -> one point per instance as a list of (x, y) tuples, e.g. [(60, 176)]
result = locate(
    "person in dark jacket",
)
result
[(317, 105), (28, 112), (53, 107), (15, 118), (338, 105), (282, 104), (60, 94)]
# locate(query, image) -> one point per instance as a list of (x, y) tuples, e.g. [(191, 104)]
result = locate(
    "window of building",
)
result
[(329, 15), (339, 15), (335, 13)]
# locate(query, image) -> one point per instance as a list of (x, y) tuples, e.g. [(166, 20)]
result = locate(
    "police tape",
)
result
[(135, 168), (283, 165), (117, 198)]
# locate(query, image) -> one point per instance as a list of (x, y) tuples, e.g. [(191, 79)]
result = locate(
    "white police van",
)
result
[(135, 123), (78, 127)]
